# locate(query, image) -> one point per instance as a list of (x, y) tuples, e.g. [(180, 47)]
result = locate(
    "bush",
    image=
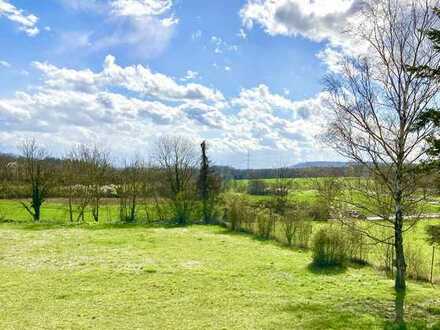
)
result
[(257, 187), (357, 248), (265, 224), (237, 212), (318, 211), (289, 227), (418, 264), (303, 233), (329, 248)]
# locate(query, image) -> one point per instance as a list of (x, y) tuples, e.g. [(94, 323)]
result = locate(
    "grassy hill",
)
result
[(102, 277)]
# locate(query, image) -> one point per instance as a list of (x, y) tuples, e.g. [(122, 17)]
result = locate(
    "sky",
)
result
[(245, 75)]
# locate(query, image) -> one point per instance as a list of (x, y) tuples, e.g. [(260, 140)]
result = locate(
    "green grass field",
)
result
[(54, 212), (304, 190), (115, 277)]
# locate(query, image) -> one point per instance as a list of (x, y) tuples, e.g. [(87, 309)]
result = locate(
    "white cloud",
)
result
[(138, 79), (221, 46), (333, 58), (317, 20), (141, 7), (26, 22), (190, 75), (242, 34), (146, 36), (130, 106), (144, 26), (5, 64)]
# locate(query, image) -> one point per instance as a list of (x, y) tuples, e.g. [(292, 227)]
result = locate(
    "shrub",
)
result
[(417, 262), (237, 212), (303, 233), (357, 248), (289, 227), (257, 187), (329, 248), (265, 224)]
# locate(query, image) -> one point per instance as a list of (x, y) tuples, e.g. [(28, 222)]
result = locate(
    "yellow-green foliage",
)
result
[(329, 247)]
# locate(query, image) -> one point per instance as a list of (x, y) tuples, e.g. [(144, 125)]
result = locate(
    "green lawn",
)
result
[(103, 277)]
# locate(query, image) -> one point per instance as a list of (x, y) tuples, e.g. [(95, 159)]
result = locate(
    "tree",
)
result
[(376, 101), (177, 159), (68, 179), (280, 191), (36, 175), (208, 185), (431, 116), (329, 191), (98, 165), (129, 189)]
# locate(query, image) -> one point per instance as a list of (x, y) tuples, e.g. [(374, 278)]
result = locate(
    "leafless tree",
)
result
[(376, 101), (36, 175), (98, 164), (328, 191), (177, 158), (130, 189)]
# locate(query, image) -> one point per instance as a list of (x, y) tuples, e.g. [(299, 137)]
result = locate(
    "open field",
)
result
[(55, 212), (304, 190), (115, 277)]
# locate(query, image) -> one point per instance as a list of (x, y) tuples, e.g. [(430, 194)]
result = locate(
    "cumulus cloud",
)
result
[(138, 79), (317, 20), (26, 22), (130, 106)]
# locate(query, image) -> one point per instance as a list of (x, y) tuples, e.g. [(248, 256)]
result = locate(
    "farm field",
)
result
[(304, 190), (200, 277)]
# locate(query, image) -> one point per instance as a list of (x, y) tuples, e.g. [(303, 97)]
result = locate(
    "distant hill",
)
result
[(321, 165)]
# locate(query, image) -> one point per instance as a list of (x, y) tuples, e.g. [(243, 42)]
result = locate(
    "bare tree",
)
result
[(328, 191), (98, 165), (376, 101), (36, 175), (68, 179), (130, 187), (177, 158)]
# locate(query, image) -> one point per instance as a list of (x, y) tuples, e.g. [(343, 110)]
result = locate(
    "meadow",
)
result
[(199, 277), (61, 275)]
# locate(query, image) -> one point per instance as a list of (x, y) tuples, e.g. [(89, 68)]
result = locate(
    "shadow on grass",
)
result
[(326, 270)]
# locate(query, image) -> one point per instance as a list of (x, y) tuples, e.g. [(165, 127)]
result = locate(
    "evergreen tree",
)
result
[(431, 116), (208, 186)]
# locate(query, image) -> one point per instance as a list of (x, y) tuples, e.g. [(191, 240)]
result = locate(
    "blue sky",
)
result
[(245, 75)]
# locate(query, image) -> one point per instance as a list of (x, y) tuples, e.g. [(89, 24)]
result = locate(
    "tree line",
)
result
[(176, 178)]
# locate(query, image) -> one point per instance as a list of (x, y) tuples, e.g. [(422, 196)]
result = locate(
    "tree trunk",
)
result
[(400, 307), (400, 281)]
